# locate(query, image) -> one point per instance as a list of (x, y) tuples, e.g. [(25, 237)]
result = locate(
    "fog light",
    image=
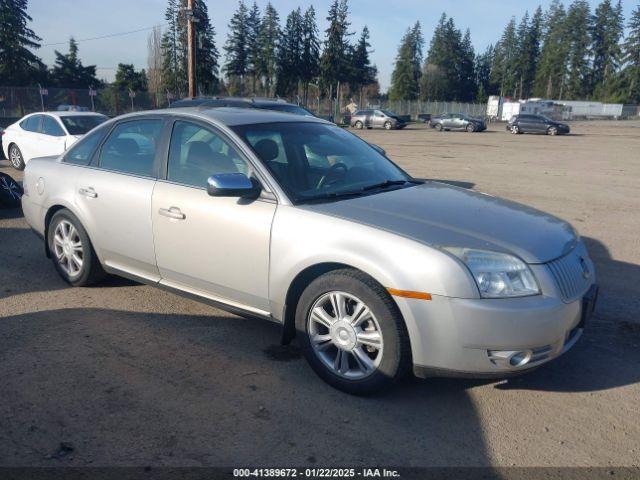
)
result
[(519, 359)]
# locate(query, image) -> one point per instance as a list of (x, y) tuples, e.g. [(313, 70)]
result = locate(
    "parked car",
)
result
[(377, 118), (261, 103), (295, 220), (10, 191), (536, 124), (457, 121), (424, 117), (44, 134)]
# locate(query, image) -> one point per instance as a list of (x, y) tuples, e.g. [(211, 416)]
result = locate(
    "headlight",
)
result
[(497, 275)]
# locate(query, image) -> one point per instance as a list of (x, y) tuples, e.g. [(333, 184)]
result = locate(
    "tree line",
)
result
[(562, 53), (565, 52)]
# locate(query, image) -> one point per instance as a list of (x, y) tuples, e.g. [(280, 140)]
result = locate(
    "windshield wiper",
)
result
[(385, 184), (361, 191)]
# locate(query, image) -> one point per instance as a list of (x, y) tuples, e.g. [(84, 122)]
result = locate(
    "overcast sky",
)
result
[(56, 20)]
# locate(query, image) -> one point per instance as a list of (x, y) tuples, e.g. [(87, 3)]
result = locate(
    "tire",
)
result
[(10, 192), (15, 157), (553, 131), (515, 130), (386, 364), (388, 126), (438, 127), (471, 128), (89, 271), (359, 125)]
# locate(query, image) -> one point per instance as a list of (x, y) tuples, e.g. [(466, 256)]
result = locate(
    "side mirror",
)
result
[(233, 185), (378, 149)]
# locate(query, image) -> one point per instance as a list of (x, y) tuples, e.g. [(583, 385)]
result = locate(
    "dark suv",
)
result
[(262, 103), (536, 124)]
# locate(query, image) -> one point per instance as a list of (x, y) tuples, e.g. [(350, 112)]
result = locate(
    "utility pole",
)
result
[(191, 50)]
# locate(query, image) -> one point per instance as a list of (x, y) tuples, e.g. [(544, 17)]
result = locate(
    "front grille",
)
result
[(569, 273)]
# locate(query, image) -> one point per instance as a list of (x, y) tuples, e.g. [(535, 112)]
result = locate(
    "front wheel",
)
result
[(438, 127), (16, 158), (515, 130), (388, 126), (359, 125), (553, 131), (471, 128), (71, 251), (352, 333)]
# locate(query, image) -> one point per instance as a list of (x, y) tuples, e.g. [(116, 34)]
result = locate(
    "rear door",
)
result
[(379, 118), (114, 196), (52, 140)]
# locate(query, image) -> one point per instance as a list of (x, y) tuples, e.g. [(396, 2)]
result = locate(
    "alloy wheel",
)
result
[(11, 187), (515, 130), (345, 335), (15, 157), (67, 246)]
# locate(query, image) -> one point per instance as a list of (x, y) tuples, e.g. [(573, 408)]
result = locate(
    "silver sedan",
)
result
[(292, 219)]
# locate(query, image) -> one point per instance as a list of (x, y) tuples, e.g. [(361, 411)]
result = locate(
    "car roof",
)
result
[(66, 114), (231, 116)]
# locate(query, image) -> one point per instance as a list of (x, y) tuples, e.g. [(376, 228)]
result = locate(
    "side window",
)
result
[(32, 124), (378, 113), (131, 147), (51, 127), (196, 153), (81, 152)]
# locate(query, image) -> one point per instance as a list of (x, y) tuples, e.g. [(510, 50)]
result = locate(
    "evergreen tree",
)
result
[(483, 64), (403, 78), (466, 80), (334, 62), (363, 72), (632, 59), (69, 72), (128, 79), (553, 58), (437, 69), (268, 41), (237, 49), (504, 70), (310, 61), (608, 26), (290, 55), (578, 67), (417, 45), (174, 75), (207, 56), (18, 65), (528, 37), (253, 28)]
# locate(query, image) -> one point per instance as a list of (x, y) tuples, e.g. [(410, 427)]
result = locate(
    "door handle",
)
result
[(88, 192), (172, 212)]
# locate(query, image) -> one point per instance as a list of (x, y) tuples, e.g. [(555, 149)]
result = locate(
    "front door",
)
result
[(114, 198), (215, 247)]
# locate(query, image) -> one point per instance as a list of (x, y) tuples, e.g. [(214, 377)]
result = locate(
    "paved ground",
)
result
[(125, 374)]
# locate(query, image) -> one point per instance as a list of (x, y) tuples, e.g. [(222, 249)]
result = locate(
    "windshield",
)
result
[(313, 161), (81, 124), (283, 107)]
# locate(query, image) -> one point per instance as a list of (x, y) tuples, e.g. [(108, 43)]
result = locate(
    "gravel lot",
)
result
[(124, 374)]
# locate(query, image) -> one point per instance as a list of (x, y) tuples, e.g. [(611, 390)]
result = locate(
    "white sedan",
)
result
[(44, 134)]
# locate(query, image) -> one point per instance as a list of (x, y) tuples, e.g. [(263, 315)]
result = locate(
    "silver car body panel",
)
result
[(245, 254)]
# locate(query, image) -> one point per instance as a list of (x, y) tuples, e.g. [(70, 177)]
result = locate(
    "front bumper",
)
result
[(491, 337)]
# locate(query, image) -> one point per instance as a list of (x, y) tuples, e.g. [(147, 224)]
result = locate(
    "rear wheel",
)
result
[(10, 192), (71, 251), (359, 125), (352, 333), (15, 157)]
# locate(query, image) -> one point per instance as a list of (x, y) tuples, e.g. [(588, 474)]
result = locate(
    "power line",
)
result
[(111, 35)]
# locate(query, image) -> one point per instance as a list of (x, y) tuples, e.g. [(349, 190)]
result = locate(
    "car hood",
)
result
[(442, 215)]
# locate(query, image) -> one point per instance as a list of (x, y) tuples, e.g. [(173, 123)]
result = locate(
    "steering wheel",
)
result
[(333, 172)]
